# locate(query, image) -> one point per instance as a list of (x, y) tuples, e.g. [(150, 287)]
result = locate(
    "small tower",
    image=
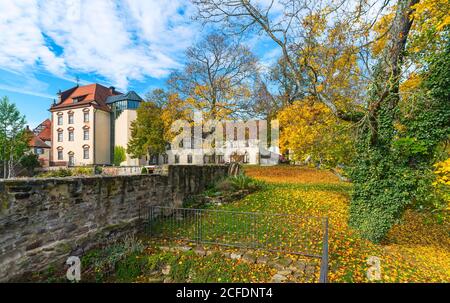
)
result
[(123, 113)]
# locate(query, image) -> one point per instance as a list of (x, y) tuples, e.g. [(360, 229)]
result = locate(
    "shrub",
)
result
[(242, 181), (224, 185), (144, 171), (83, 171), (106, 260), (120, 155), (60, 173), (30, 162)]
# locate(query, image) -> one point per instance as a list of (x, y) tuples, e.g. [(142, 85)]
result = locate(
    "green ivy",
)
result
[(395, 172)]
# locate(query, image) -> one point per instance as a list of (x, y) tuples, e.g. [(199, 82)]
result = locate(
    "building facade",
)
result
[(84, 124), (89, 121)]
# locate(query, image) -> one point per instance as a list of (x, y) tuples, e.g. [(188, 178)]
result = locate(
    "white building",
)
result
[(88, 122)]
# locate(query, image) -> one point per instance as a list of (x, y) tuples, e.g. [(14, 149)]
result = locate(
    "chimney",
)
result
[(112, 90), (59, 96)]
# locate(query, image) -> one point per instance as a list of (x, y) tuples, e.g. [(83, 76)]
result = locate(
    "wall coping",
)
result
[(70, 179)]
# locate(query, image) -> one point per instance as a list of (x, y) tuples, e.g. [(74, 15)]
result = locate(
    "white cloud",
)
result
[(22, 43), (120, 41)]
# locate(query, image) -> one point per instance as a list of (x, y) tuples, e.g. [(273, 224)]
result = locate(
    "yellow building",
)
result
[(88, 121)]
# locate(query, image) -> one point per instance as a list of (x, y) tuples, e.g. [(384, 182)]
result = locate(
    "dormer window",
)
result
[(77, 99)]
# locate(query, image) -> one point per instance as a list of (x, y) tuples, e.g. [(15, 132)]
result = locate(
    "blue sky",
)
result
[(130, 44)]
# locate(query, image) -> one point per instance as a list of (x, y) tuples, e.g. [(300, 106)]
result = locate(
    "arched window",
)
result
[(70, 117), (71, 134), (60, 153), (60, 135), (60, 118), (85, 132), (86, 115), (246, 157), (71, 158), (86, 150)]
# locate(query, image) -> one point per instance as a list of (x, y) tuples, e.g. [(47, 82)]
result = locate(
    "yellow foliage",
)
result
[(442, 183), (431, 18), (308, 128), (174, 109), (432, 14), (381, 28)]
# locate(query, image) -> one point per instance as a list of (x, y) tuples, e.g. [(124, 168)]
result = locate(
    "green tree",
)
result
[(30, 161), (13, 137), (147, 131), (120, 155)]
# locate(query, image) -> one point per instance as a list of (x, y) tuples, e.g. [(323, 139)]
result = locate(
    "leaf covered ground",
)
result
[(417, 249)]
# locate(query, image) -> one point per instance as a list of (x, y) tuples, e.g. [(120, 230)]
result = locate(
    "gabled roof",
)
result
[(131, 96), (92, 94), (35, 141), (44, 130)]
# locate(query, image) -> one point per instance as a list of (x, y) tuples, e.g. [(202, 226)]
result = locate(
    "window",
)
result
[(60, 155), (246, 157), (86, 153), (60, 136), (189, 158), (71, 159), (235, 134), (86, 117), (38, 151), (70, 118), (60, 120), (177, 159), (86, 134), (165, 159), (71, 136)]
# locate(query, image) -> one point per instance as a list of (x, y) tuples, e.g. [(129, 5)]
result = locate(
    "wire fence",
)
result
[(285, 233)]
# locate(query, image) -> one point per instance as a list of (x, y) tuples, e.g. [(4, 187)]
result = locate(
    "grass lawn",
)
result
[(417, 249)]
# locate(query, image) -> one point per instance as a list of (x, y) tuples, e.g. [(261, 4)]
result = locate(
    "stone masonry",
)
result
[(43, 221)]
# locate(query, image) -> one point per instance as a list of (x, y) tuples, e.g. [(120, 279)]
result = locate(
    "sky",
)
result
[(45, 45)]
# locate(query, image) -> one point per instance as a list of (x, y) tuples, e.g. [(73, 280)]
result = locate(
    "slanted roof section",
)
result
[(92, 94), (44, 130), (130, 96), (35, 141)]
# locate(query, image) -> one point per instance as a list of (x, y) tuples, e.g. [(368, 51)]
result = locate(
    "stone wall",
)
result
[(43, 221)]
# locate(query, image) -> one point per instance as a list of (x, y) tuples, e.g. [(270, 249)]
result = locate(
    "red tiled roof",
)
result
[(35, 141), (88, 94), (46, 132)]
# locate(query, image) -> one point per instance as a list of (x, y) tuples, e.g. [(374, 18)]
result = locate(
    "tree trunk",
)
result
[(388, 79)]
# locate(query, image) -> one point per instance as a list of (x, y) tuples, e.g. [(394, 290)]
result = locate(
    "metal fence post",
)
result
[(324, 260), (149, 221)]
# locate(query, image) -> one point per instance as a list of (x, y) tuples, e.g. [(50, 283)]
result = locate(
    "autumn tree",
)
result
[(216, 76), (356, 73), (311, 131)]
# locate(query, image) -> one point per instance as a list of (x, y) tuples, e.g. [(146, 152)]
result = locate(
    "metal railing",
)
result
[(285, 233)]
